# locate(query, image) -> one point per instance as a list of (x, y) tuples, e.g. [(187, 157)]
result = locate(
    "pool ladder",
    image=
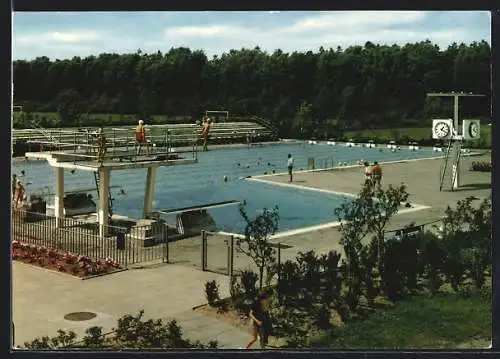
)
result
[(110, 198)]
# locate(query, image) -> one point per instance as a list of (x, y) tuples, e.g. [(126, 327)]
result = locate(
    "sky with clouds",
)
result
[(64, 35)]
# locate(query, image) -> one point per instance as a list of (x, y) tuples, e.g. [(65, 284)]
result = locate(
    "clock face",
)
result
[(473, 130), (442, 129)]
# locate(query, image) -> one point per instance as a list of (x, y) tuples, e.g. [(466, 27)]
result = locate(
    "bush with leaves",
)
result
[(132, 332), (244, 291), (308, 292), (466, 239), (256, 242), (369, 213)]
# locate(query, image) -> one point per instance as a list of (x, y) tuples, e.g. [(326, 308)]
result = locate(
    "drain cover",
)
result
[(80, 316)]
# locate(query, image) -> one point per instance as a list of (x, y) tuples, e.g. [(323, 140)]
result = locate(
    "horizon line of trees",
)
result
[(370, 86)]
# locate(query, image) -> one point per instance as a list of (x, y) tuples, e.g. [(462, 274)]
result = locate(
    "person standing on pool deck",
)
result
[(290, 166), (14, 186), (376, 174), (368, 174), (140, 137), (205, 133), (261, 321)]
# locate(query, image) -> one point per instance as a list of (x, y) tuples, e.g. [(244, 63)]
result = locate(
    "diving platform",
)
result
[(61, 159), (101, 152)]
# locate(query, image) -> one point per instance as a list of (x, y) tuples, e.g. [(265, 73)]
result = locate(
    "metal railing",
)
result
[(118, 144), (125, 243)]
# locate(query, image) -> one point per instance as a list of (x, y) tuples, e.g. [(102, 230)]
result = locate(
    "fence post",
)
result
[(279, 260), (230, 257), (165, 244), (203, 250)]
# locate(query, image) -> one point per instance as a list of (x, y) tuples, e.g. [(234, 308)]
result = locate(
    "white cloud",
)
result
[(55, 37), (351, 21), (204, 31)]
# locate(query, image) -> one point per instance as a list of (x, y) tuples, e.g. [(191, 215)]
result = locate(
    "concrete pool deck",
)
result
[(42, 298)]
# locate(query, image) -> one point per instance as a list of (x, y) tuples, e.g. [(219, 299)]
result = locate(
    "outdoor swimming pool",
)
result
[(202, 183)]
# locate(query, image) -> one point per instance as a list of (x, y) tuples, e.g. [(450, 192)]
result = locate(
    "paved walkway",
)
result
[(41, 298)]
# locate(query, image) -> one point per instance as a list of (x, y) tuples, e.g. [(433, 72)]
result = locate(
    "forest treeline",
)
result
[(370, 86)]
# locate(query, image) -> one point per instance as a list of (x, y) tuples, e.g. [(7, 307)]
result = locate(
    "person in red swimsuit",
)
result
[(140, 137), (205, 133), (377, 174)]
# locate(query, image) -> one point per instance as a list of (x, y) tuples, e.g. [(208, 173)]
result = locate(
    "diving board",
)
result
[(197, 208)]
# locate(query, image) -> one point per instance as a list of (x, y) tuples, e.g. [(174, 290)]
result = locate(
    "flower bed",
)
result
[(66, 262)]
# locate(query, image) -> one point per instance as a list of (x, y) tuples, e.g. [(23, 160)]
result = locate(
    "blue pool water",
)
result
[(202, 183)]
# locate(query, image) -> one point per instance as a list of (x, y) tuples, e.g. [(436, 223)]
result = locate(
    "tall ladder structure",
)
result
[(110, 198), (450, 172)]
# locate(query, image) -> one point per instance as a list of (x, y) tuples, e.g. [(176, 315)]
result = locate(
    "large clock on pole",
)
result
[(471, 129), (442, 129)]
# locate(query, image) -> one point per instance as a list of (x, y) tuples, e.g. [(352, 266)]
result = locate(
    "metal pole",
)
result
[(455, 113), (230, 259), (279, 260), (203, 250)]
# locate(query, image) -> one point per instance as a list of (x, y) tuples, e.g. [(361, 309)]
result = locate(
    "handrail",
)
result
[(445, 165)]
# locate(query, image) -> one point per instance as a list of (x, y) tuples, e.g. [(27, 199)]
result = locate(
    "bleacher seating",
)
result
[(178, 134)]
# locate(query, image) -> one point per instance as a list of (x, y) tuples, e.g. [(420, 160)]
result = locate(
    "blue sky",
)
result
[(64, 35)]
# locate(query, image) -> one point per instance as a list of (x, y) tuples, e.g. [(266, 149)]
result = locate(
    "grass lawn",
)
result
[(447, 321)]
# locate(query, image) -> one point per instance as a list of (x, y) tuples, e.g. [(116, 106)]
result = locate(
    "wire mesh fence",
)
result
[(126, 244), (129, 244)]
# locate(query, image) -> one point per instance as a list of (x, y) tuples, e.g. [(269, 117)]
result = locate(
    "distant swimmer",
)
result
[(274, 171), (122, 192), (244, 202), (225, 179), (72, 171), (23, 173), (238, 164), (269, 163)]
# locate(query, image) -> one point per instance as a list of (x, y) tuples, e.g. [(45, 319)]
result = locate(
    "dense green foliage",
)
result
[(318, 294), (368, 86)]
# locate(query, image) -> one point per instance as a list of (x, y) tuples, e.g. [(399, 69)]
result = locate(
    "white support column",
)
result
[(103, 201), (150, 190), (59, 198)]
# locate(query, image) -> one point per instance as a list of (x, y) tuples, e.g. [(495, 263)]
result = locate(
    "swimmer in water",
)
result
[(23, 173), (225, 179), (72, 171), (122, 192)]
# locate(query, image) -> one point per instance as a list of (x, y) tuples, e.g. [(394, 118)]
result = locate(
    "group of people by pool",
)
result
[(372, 173), (141, 140)]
